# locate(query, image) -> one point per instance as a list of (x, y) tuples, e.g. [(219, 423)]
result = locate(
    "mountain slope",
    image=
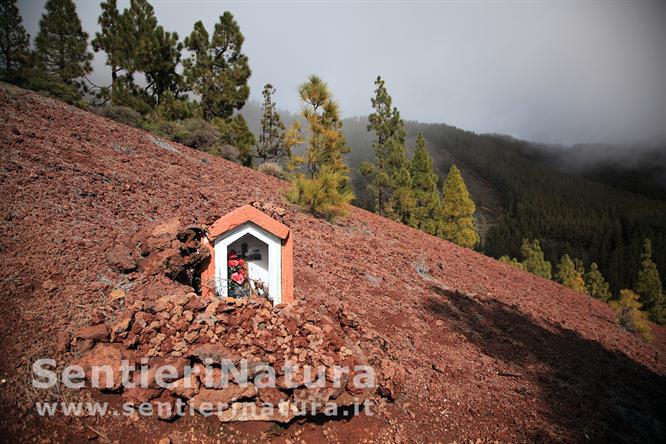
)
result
[(520, 194), (490, 352)]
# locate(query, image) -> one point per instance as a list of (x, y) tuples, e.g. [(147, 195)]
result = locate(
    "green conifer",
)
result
[(217, 69), (596, 285), (534, 260), (326, 143), (62, 49), (390, 181), (271, 143), (427, 205), (457, 223), (569, 275), (14, 42), (324, 189), (512, 261), (134, 43), (648, 285), (112, 40)]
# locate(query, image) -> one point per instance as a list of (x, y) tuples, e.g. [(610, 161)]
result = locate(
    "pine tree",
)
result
[(218, 70), (150, 50), (457, 223), (272, 143), (390, 181), (569, 275), (113, 40), (427, 205), (534, 260), (400, 205), (629, 314), (62, 45), (326, 144), (161, 69), (648, 285), (596, 285), (137, 25), (324, 189), (14, 41)]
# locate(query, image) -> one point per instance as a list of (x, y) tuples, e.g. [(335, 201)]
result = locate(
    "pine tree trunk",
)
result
[(114, 78)]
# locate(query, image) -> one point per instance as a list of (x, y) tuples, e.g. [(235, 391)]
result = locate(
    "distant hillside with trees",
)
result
[(567, 213)]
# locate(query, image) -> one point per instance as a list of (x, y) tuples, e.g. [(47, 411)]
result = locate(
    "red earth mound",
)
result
[(490, 352)]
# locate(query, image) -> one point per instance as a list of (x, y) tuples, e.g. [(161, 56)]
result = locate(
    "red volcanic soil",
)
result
[(490, 352)]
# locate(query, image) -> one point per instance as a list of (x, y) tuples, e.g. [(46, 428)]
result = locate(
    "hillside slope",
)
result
[(490, 352), (520, 194)]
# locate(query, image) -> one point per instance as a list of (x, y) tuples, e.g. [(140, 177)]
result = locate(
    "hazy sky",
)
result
[(552, 71)]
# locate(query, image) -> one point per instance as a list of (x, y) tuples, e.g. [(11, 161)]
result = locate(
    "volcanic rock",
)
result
[(111, 355), (98, 332)]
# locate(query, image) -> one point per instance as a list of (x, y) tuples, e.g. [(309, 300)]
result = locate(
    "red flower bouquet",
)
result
[(238, 283)]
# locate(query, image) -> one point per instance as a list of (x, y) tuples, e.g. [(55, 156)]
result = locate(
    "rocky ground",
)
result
[(489, 353), (163, 319)]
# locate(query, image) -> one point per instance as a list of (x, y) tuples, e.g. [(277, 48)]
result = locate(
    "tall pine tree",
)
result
[(324, 189), (427, 206), (161, 67), (271, 143), (62, 46), (326, 143), (534, 260), (113, 40), (597, 287), (457, 223), (150, 50), (14, 42), (569, 275), (648, 285), (390, 181), (217, 69)]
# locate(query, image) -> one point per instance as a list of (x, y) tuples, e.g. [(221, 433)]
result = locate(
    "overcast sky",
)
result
[(551, 71)]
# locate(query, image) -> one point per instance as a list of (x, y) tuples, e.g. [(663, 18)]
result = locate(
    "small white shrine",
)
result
[(252, 256)]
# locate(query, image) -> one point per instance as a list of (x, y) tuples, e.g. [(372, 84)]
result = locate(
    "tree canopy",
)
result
[(217, 69), (62, 45), (14, 41), (324, 188), (569, 275), (427, 206), (457, 223)]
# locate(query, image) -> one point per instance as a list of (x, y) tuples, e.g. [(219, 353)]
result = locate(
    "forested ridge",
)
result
[(568, 214), (534, 199)]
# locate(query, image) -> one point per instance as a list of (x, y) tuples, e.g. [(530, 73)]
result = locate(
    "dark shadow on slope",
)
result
[(584, 388)]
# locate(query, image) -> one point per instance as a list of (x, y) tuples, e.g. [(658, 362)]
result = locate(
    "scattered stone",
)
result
[(98, 332), (49, 285), (110, 355), (120, 259), (117, 294), (186, 387), (248, 411), (391, 379), (222, 396)]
